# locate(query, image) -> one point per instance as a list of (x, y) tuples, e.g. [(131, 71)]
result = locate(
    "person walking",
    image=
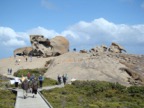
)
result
[(22, 78), (34, 87), (28, 75), (64, 79), (25, 87), (59, 79), (41, 78), (10, 71), (16, 81)]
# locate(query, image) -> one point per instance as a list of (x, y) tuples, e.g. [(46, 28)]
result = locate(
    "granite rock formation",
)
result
[(60, 45), (116, 48), (23, 51), (44, 47), (101, 63), (123, 68)]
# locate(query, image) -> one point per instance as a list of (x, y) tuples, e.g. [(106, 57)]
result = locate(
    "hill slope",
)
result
[(113, 67)]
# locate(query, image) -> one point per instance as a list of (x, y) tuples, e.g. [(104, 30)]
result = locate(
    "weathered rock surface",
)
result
[(46, 48), (60, 45), (108, 66), (114, 48), (82, 66), (23, 51)]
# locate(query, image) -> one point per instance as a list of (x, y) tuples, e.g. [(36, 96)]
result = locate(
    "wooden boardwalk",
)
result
[(38, 102)]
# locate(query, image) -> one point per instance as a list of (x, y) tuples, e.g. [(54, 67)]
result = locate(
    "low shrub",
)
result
[(95, 94), (24, 72), (136, 89)]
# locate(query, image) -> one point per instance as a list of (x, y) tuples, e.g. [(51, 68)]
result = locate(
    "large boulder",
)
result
[(45, 47), (23, 51), (60, 45)]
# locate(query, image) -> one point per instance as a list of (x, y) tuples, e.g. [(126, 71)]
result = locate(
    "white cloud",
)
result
[(14, 43), (6, 32), (43, 31), (10, 38), (100, 31), (82, 35)]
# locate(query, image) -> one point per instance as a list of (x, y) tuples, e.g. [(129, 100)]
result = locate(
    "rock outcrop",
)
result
[(23, 51), (60, 45), (116, 48), (112, 67), (40, 45), (98, 49), (46, 48)]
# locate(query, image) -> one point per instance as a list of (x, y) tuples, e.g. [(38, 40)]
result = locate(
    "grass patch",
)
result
[(24, 72), (95, 94), (36, 72), (7, 97)]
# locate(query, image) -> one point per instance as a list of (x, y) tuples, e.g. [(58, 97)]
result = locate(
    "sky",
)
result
[(85, 23)]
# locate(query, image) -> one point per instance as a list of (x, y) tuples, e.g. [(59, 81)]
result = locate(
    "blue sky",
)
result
[(85, 23)]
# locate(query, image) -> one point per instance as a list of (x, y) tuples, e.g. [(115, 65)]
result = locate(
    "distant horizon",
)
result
[(85, 24)]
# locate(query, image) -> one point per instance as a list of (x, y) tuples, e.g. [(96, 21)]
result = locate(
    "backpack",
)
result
[(35, 85)]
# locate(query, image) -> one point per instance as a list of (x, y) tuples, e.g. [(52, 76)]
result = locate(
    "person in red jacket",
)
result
[(28, 75)]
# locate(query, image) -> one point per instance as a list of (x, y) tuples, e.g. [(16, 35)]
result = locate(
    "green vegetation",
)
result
[(24, 72), (36, 72), (80, 94), (7, 97), (96, 94)]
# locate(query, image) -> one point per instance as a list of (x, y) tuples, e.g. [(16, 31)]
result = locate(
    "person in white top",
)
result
[(16, 81)]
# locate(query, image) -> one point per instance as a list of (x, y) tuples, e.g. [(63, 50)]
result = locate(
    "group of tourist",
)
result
[(9, 71), (63, 79), (30, 83)]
